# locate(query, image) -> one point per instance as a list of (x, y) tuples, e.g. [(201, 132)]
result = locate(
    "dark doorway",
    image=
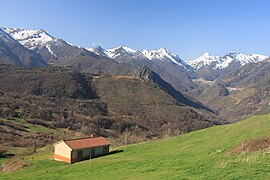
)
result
[(93, 153), (79, 154)]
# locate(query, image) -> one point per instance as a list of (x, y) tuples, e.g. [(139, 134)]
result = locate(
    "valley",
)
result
[(185, 77), (166, 116), (120, 90)]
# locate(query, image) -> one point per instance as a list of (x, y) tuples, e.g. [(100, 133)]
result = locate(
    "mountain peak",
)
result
[(203, 61), (206, 54), (125, 48), (32, 39), (115, 52), (163, 49)]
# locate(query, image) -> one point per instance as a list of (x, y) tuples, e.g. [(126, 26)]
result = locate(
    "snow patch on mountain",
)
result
[(48, 46)]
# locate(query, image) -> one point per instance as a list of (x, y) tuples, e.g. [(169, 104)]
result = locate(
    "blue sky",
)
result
[(186, 27)]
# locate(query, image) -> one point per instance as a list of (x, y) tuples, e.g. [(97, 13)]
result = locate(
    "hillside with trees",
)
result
[(126, 108)]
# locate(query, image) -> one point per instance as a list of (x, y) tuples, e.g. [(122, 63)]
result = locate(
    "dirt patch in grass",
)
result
[(14, 164), (253, 145)]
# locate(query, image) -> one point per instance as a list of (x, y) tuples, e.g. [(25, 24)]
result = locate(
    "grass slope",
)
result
[(203, 154)]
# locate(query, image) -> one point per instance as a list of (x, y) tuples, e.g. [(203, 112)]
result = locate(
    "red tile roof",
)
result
[(87, 142)]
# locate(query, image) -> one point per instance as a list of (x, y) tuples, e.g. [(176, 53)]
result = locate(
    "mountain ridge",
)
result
[(211, 67), (162, 54), (168, 65), (147, 74), (36, 39), (223, 61)]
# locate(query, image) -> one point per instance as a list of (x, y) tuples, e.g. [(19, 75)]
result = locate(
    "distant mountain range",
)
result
[(124, 53), (45, 49), (211, 67), (24, 47), (216, 81)]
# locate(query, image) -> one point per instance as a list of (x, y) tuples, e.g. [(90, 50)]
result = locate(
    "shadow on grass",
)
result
[(116, 151)]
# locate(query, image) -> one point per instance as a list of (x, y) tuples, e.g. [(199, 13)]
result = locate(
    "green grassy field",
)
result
[(203, 154)]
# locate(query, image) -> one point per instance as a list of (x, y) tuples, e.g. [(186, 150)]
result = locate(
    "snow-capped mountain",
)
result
[(54, 51), (32, 39), (164, 54), (123, 52), (51, 49), (114, 52), (211, 67), (118, 51), (12, 52), (205, 60), (221, 62)]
